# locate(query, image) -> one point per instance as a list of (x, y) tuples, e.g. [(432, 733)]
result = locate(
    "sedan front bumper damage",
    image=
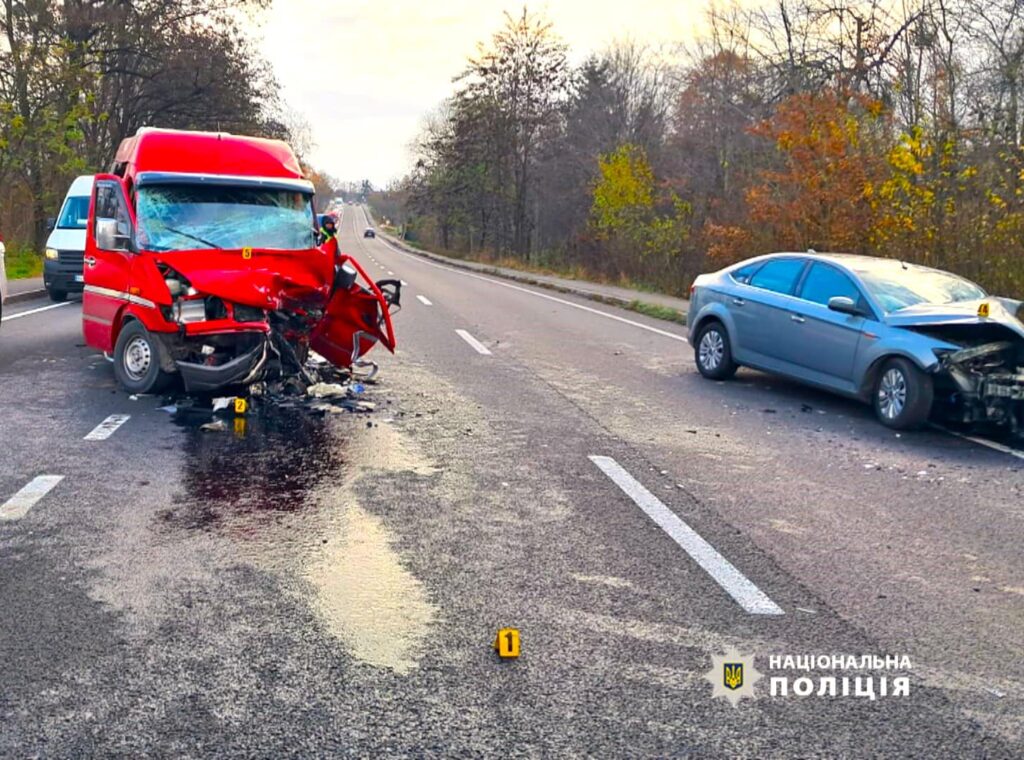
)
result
[(989, 383)]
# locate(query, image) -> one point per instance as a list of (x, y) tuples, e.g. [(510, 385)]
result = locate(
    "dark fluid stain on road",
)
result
[(268, 461)]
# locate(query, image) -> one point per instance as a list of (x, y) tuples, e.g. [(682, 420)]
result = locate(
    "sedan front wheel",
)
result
[(903, 395)]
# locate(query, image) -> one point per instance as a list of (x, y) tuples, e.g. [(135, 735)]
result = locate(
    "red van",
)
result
[(201, 262)]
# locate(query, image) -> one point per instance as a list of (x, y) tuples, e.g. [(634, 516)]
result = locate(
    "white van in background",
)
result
[(65, 248)]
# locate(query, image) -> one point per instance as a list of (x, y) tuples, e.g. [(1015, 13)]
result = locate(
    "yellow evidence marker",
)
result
[(241, 406), (507, 643)]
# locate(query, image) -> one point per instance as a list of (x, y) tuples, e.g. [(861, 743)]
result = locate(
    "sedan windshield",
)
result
[(190, 217), (900, 288)]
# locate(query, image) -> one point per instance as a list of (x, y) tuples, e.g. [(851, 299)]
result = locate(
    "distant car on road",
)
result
[(3, 276), (65, 248), (370, 232), (908, 339)]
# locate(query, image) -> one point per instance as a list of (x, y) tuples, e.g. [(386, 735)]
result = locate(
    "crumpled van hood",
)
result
[(267, 279), (1002, 311)]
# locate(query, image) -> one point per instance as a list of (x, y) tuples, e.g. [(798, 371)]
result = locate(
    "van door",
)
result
[(108, 259), (356, 318)]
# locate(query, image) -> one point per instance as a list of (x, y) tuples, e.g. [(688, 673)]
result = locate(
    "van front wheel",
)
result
[(137, 360)]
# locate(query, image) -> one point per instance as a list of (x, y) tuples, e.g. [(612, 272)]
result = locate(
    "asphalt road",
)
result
[(329, 586)]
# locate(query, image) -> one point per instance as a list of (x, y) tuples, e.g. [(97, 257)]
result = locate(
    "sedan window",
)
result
[(824, 282), (779, 275), (744, 273)]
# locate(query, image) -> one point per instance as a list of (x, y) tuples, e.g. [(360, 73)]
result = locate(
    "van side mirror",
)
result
[(111, 236), (51, 223), (344, 277), (844, 305)]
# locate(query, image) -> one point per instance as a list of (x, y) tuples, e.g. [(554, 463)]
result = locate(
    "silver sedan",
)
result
[(912, 341)]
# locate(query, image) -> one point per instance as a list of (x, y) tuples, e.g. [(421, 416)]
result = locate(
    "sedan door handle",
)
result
[(797, 318), (738, 301)]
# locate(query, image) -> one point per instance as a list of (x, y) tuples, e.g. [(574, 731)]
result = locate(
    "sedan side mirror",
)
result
[(844, 305), (110, 236)]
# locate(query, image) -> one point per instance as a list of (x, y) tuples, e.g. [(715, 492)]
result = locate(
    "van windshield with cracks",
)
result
[(191, 217)]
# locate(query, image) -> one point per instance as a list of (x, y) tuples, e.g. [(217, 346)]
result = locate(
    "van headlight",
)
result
[(52, 254)]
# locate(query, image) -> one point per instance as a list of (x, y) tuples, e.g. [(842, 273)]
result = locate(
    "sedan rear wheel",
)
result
[(903, 395), (713, 353)]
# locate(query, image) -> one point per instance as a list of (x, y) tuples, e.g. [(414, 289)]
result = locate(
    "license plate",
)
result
[(79, 278)]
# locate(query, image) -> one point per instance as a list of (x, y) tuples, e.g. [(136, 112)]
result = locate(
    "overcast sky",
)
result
[(384, 64)]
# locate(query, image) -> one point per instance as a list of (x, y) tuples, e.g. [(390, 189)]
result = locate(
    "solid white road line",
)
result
[(424, 300), (735, 583), (18, 505), (477, 345), (983, 442), (30, 312), (510, 286), (106, 428)]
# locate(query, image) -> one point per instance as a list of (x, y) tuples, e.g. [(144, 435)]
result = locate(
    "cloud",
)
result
[(364, 74)]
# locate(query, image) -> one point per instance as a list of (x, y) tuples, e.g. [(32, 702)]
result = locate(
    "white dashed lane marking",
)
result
[(18, 505), (735, 583), (479, 347), (424, 300), (107, 428)]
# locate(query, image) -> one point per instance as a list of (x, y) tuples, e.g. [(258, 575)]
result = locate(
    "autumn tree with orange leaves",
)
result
[(829, 158)]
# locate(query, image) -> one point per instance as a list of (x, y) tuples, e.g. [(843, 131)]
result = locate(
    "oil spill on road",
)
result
[(284, 494), (272, 466)]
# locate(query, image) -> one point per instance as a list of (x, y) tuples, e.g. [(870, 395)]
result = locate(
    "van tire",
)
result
[(57, 296), (137, 360)]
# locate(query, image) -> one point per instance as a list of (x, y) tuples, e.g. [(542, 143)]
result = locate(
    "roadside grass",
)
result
[(657, 311), (22, 263)]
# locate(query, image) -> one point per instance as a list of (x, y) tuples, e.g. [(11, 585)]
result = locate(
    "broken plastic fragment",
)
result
[(223, 403), (326, 390)]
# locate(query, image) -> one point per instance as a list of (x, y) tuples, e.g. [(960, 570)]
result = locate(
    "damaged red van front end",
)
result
[(215, 277)]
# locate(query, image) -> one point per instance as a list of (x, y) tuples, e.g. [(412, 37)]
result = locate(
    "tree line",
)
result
[(886, 127), (77, 76)]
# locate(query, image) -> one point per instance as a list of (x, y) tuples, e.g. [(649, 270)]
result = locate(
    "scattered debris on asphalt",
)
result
[(321, 389), (326, 390)]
